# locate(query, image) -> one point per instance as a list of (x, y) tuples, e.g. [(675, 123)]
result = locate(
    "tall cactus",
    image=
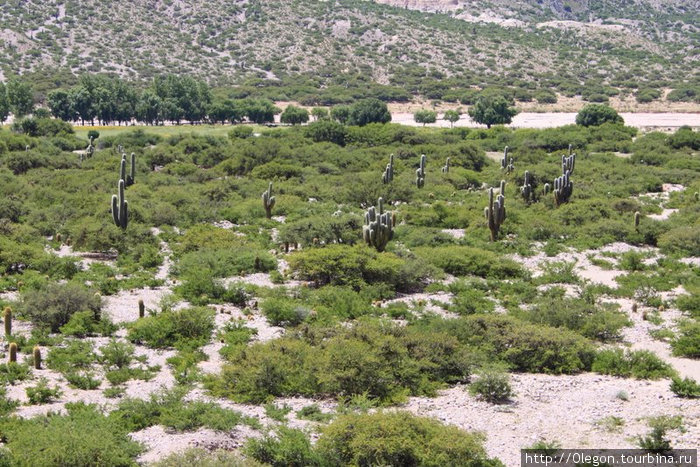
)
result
[(505, 163), (131, 176), (7, 317), (420, 173), (563, 187), (36, 356), (388, 175), (379, 226), (568, 163), (526, 190), (495, 212), (120, 207), (268, 201), (446, 167)]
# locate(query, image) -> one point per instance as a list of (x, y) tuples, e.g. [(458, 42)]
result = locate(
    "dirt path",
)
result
[(647, 121)]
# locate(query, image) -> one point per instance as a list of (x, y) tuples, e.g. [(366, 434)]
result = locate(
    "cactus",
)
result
[(268, 201), (547, 188), (526, 190), (446, 167), (495, 212), (379, 226), (90, 150), (36, 354), (120, 207), (388, 175), (568, 163), (563, 187), (7, 316), (637, 218), (505, 163), (13, 352), (142, 309), (420, 173), (131, 176)]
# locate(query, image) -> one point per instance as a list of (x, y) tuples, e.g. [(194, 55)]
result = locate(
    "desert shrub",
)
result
[(686, 387), (520, 345), (81, 438), (191, 326), (492, 386), (687, 341), (12, 372), (463, 261), (201, 288), (82, 380), (468, 301), (284, 311), (76, 355), (54, 305), (399, 438), (597, 114), (6, 405), (42, 393), (640, 364), (117, 354), (197, 457), (683, 240), (359, 265), (685, 137), (288, 447), (314, 413), (690, 304), (83, 324)]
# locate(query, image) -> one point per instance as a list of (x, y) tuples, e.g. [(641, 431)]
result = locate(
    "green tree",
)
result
[(341, 113), (425, 116), (452, 116), (597, 114), (369, 111), (59, 104), (492, 110), (20, 97), (149, 108), (4, 105), (320, 113), (259, 111), (82, 104), (294, 115)]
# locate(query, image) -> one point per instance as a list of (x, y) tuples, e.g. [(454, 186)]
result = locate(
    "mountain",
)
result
[(390, 41)]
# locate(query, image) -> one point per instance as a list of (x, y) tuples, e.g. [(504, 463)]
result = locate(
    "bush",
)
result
[(492, 386), (54, 305), (82, 438), (284, 311), (641, 364), (190, 327), (464, 261), (686, 387), (687, 343), (42, 393), (287, 448), (197, 457), (597, 114), (400, 438), (367, 111)]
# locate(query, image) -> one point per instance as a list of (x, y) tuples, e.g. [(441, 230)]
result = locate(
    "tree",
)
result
[(597, 114), (223, 111), (4, 105), (59, 104), (259, 111), (149, 108), (81, 103), (294, 115), (319, 113), (425, 116), (341, 113), (325, 130), (20, 97), (492, 110), (452, 116), (369, 111)]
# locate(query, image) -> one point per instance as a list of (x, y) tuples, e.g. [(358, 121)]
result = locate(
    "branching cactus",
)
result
[(120, 207), (507, 164), (495, 212), (379, 226), (446, 167), (568, 163), (268, 201), (388, 175), (526, 190), (563, 187), (420, 173)]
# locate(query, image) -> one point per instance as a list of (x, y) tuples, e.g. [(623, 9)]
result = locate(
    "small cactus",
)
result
[(563, 187), (547, 189), (420, 173), (446, 168), (13, 352), (388, 175), (495, 212), (526, 190), (120, 207), (637, 218), (505, 163), (36, 354), (268, 201), (634, 307), (379, 226), (7, 316), (142, 309)]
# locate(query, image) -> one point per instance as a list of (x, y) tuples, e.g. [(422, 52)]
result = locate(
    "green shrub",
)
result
[(54, 305), (77, 354), (83, 324), (191, 326), (399, 438), (82, 438), (597, 114), (314, 413), (197, 457), (284, 311), (82, 380), (492, 386), (686, 387), (42, 393), (641, 364), (288, 447), (12, 372), (683, 240), (687, 342), (464, 261)]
